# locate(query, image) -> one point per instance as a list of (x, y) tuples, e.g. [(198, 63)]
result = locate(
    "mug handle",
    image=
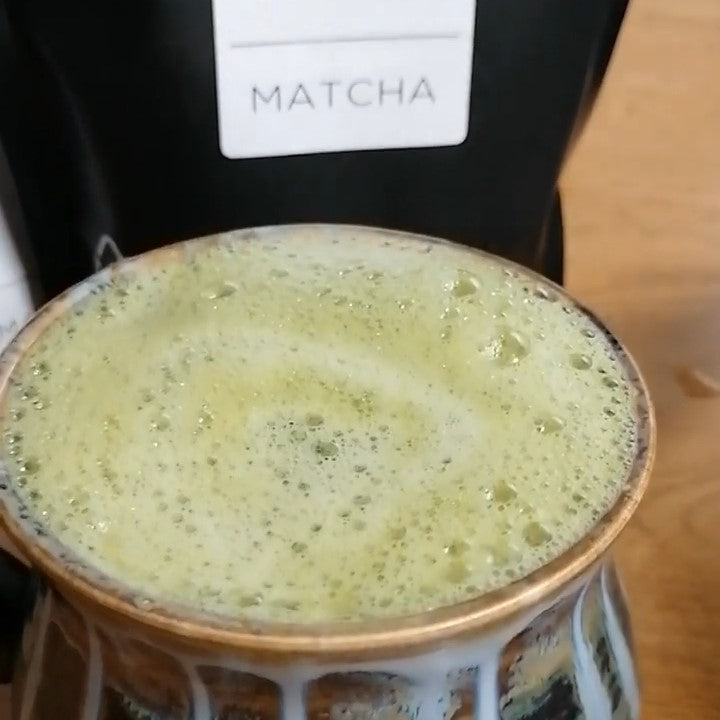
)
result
[(18, 590)]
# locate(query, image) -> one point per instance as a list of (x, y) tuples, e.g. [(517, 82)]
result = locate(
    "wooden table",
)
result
[(642, 211)]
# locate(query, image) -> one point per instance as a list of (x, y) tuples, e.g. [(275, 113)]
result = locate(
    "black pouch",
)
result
[(109, 118)]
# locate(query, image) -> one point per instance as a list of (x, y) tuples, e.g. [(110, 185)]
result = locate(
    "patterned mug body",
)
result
[(569, 658)]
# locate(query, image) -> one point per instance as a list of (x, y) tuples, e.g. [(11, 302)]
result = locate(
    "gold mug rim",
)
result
[(334, 640)]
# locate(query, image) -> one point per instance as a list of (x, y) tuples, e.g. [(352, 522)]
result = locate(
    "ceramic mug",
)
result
[(554, 645)]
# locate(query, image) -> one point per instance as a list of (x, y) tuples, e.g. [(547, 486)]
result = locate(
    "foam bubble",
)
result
[(319, 424)]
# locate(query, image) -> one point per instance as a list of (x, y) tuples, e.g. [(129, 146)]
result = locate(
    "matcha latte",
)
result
[(312, 424)]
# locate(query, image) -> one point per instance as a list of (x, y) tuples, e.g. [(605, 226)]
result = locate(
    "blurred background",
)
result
[(642, 213)]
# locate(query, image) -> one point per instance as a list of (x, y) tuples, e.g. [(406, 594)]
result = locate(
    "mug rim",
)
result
[(364, 639)]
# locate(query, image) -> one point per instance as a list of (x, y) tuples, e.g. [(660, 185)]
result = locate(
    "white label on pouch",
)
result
[(311, 76)]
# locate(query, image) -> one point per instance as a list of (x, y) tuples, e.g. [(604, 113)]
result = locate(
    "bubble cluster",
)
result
[(318, 424)]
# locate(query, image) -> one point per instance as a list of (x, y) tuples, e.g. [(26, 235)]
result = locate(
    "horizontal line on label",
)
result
[(342, 40)]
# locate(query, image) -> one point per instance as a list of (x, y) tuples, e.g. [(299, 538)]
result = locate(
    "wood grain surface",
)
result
[(642, 213)]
